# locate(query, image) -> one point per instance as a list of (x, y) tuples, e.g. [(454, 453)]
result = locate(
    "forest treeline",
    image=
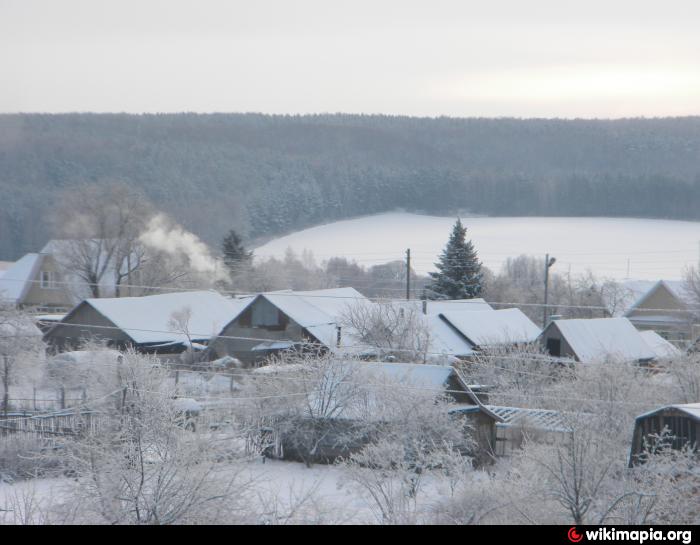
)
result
[(266, 175)]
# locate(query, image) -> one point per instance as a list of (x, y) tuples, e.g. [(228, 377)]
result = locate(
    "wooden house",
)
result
[(668, 308), (145, 323), (272, 322), (35, 282)]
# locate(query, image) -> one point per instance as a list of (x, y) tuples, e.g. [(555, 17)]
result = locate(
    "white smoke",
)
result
[(166, 236)]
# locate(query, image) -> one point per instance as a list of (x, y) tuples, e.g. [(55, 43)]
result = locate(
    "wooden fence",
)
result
[(66, 423)]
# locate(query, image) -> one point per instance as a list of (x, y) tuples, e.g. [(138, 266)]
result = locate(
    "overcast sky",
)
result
[(525, 58)]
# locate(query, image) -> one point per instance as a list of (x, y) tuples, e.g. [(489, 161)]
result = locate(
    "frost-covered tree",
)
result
[(458, 273), (21, 350), (393, 330), (144, 464)]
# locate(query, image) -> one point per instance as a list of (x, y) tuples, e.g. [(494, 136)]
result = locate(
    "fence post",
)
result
[(34, 397), (63, 397)]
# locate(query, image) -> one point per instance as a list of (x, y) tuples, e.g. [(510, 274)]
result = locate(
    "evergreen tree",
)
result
[(458, 273), (236, 256)]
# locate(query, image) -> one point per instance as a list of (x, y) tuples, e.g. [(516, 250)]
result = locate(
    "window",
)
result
[(49, 280), (267, 316), (554, 347)]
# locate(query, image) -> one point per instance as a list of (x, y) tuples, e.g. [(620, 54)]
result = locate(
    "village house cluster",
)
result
[(190, 328)]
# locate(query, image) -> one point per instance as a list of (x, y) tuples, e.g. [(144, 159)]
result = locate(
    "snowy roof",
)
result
[(427, 376), (430, 379), (445, 340), (318, 307), (17, 280), (691, 409), (536, 418), (600, 338), (145, 319), (273, 345), (493, 327), (661, 347), (320, 312), (89, 357)]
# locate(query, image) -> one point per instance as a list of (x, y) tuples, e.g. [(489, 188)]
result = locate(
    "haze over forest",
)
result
[(267, 175)]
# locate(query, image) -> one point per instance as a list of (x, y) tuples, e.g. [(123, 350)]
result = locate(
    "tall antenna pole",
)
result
[(408, 274)]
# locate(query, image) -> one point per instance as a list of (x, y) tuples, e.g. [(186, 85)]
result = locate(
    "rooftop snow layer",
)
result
[(598, 339), (16, 280), (691, 409), (493, 327), (319, 307), (661, 347), (146, 319)]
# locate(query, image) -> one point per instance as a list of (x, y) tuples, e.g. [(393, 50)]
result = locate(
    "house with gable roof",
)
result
[(35, 282)]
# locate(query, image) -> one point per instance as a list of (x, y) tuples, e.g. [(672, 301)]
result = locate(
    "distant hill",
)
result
[(266, 175)]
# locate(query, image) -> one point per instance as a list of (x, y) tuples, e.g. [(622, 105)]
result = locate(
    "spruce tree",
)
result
[(458, 273), (235, 254)]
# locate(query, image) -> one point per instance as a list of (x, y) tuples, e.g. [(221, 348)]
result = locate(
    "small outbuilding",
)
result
[(596, 340), (490, 328), (682, 422)]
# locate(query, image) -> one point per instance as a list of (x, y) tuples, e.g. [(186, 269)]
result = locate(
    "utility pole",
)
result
[(547, 264), (408, 274)]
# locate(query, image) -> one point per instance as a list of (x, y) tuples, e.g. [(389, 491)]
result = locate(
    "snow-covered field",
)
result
[(611, 247)]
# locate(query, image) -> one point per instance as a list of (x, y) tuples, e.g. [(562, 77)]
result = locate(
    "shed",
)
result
[(681, 421), (492, 327), (596, 340)]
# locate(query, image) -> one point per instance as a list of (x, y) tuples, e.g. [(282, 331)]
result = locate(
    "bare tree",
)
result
[(392, 329), (101, 225), (180, 322)]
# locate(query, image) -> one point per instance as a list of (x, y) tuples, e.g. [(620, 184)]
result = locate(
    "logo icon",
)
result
[(573, 535)]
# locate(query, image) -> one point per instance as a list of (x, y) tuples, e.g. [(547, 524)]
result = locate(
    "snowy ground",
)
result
[(652, 248), (320, 494)]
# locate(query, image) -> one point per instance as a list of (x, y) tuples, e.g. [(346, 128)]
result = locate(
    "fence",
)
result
[(68, 423), (46, 400)]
